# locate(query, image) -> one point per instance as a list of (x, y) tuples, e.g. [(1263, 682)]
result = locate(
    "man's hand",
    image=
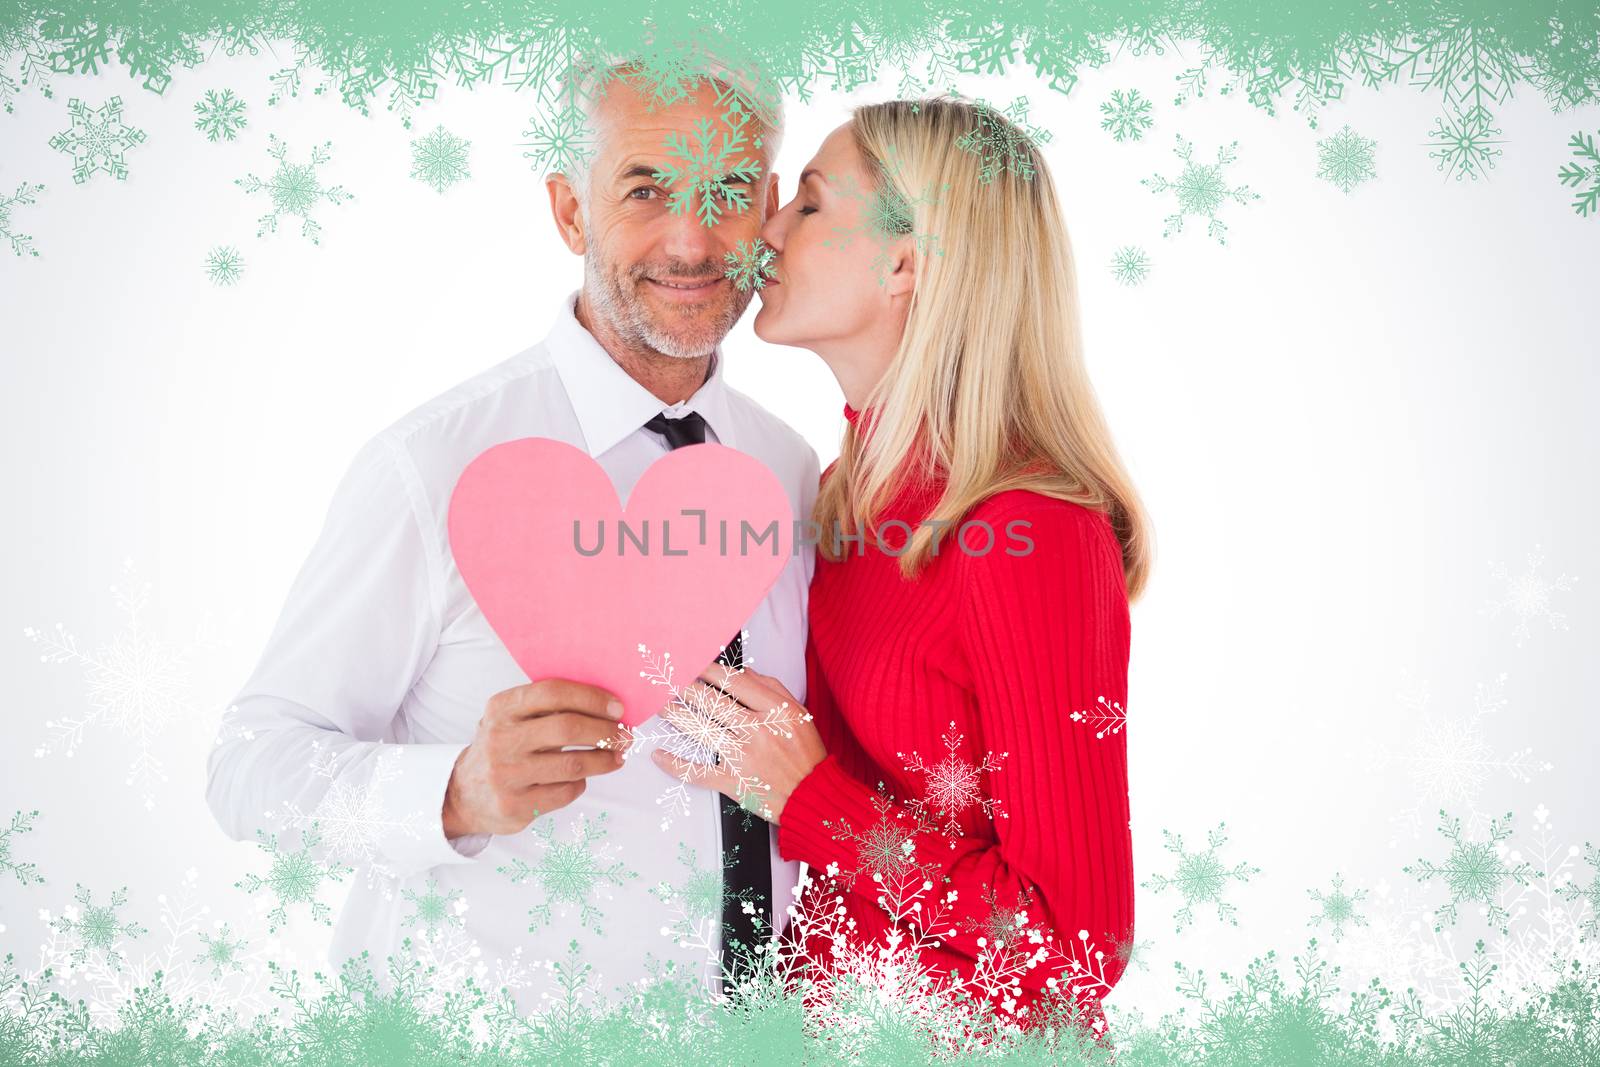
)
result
[(515, 769)]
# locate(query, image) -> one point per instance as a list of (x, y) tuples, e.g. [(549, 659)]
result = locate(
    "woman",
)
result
[(979, 678)]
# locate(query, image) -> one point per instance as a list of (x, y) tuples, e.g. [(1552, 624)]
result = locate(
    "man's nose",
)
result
[(690, 239)]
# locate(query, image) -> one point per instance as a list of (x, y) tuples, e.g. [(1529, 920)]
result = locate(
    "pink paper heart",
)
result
[(565, 614)]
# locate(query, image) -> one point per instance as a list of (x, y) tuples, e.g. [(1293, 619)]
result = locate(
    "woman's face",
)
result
[(826, 295)]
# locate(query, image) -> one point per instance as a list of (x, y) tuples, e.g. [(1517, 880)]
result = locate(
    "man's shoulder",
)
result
[(503, 384), (516, 397)]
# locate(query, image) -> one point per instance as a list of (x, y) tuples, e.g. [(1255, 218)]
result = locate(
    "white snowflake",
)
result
[(1528, 595), (351, 818), (1109, 717), (709, 729), (1450, 759), (954, 784), (137, 684), (868, 985), (1400, 946), (186, 969), (450, 957), (694, 905), (673, 802)]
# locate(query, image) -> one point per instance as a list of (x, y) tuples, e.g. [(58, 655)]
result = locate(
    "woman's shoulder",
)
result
[(1047, 524), (1032, 504)]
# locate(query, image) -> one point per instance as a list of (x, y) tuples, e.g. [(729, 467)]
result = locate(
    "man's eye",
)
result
[(644, 189)]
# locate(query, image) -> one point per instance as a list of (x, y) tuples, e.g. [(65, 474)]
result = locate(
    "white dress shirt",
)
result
[(380, 666)]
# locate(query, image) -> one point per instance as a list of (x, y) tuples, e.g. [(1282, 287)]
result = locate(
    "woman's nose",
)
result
[(772, 232)]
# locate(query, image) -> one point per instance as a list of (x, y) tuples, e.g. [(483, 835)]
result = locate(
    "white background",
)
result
[(1339, 422)]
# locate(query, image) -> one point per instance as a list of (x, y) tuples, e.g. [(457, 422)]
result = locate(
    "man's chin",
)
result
[(683, 347)]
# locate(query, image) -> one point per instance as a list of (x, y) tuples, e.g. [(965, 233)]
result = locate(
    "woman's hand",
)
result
[(766, 740)]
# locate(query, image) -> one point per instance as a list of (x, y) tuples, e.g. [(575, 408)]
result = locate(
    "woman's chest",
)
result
[(890, 654)]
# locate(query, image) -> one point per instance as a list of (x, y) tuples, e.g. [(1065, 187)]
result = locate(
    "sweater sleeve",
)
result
[(1045, 634)]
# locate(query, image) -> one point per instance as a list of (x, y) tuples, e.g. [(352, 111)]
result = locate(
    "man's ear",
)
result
[(772, 193), (564, 209)]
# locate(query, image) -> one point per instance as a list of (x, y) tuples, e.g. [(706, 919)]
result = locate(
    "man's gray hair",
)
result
[(586, 80)]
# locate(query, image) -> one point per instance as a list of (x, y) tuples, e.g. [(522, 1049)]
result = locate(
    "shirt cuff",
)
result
[(417, 782), (470, 845), (828, 792)]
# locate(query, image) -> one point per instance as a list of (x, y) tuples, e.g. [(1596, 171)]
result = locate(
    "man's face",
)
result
[(654, 275)]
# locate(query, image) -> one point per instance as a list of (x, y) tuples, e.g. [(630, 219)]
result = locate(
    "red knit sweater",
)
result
[(1007, 648)]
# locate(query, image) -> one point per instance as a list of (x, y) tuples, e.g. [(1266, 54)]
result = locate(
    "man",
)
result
[(385, 709)]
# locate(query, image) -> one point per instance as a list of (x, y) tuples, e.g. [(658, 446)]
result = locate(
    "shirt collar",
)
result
[(608, 402)]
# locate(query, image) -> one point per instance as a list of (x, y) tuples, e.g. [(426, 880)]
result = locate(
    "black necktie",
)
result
[(746, 839)]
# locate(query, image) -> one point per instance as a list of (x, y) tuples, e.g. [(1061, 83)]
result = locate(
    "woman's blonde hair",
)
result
[(988, 386)]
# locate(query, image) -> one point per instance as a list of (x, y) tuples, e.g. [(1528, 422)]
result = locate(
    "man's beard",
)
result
[(615, 299)]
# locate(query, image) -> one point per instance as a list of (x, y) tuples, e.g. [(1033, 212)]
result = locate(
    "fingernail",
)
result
[(614, 709)]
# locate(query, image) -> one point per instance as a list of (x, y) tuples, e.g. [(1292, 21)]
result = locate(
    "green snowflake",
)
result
[(433, 908), (294, 878), (221, 951), (1004, 141), (224, 265), (1474, 871), (1338, 907), (1589, 893), (1000, 923), (885, 850), (1463, 144), (1127, 115), (97, 140), (26, 873), (20, 242), (750, 265), (561, 143), (710, 171), (1200, 190), (439, 159), (1345, 159), (565, 1031), (912, 87), (570, 873), (294, 188), (1583, 175), (1130, 951), (695, 904), (96, 928), (1201, 877), (221, 115), (1130, 266), (1472, 66), (701, 893), (884, 215)]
